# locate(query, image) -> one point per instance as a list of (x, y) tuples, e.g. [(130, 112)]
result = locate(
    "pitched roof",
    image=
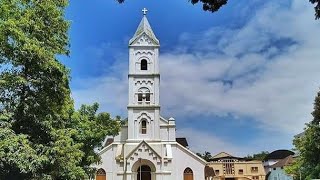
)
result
[(144, 27), (108, 141), (182, 141), (204, 162), (283, 162), (221, 155), (279, 154)]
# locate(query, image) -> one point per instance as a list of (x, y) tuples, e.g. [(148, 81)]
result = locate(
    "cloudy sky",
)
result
[(242, 80)]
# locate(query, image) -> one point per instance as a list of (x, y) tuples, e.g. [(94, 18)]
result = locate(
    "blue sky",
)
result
[(241, 80)]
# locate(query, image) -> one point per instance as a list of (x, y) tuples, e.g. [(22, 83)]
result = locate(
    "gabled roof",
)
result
[(224, 155), (139, 145), (283, 162), (202, 161), (144, 28), (221, 155)]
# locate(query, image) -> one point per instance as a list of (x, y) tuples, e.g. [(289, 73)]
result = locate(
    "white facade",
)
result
[(148, 141)]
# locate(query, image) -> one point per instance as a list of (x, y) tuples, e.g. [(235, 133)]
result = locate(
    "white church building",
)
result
[(146, 148)]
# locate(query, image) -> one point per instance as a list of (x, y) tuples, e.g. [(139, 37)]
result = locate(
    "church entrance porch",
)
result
[(144, 170)]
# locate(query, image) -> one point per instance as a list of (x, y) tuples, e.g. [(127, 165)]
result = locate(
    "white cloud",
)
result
[(277, 91), (267, 70), (200, 141)]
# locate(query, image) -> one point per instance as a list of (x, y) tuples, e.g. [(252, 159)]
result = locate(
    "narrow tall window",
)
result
[(140, 97), (188, 174), (148, 97), (144, 64), (143, 127), (101, 174)]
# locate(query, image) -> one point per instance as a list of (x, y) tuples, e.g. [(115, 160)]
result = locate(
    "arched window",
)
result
[(143, 95), (144, 64), (144, 127), (188, 174), (101, 174)]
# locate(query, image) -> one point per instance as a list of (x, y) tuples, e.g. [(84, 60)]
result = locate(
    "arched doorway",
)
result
[(101, 174), (188, 174), (144, 169), (144, 173)]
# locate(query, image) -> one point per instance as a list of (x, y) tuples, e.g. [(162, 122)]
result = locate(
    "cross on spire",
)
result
[(144, 10)]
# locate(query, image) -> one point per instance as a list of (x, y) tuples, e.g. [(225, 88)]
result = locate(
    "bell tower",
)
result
[(144, 81)]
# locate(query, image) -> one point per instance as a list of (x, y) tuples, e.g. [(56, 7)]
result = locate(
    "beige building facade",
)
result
[(228, 167)]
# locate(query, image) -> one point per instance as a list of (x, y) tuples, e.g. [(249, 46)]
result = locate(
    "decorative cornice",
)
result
[(144, 75), (143, 106)]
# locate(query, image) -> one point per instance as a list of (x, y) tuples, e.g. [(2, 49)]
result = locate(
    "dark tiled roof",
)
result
[(182, 141), (109, 141), (283, 162), (279, 154)]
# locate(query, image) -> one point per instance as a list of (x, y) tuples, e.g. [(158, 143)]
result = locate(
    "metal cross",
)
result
[(144, 10)]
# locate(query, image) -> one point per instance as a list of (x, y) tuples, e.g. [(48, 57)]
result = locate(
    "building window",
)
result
[(101, 174), (254, 169), (255, 177), (144, 64), (140, 97), (147, 97), (240, 171), (188, 174), (216, 172), (144, 95), (143, 127)]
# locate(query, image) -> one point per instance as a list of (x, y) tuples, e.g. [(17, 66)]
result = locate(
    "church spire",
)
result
[(144, 27)]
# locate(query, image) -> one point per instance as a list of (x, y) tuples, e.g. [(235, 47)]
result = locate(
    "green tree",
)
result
[(206, 156), (316, 8), (41, 137), (94, 127), (215, 5), (308, 147), (34, 93), (258, 156)]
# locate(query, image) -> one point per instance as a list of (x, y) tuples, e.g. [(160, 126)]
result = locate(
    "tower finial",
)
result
[(144, 10)]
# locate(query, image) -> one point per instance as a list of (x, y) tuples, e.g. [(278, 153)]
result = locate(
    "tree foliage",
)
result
[(308, 147), (258, 156), (41, 136), (316, 8), (93, 130), (215, 5), (206, 156), (210, 5)]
